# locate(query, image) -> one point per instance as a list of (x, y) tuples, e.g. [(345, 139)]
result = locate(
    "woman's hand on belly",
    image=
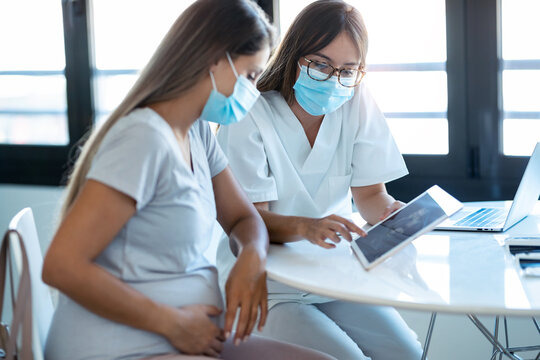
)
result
[(190, 330), (317, 231)]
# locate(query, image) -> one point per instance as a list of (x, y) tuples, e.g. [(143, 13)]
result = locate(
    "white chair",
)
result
[(42, 306)]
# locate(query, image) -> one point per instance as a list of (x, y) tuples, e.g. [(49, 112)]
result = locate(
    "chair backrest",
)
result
[(42, 306)]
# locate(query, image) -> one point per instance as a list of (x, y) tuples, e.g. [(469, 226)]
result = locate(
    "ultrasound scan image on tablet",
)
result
[(417, 217)]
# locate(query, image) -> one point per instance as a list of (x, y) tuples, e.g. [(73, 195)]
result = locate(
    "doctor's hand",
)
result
[(317, 231), (190, 330), (391, 209), (246, 292)]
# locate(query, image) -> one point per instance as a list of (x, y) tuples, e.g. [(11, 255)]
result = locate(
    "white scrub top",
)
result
[(272, 159), (159, 251)]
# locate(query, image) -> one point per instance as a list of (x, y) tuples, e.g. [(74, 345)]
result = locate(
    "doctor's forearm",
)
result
[(372, 208), (282, 229)]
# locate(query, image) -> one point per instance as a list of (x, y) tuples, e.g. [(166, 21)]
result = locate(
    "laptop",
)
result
[(498, 219)]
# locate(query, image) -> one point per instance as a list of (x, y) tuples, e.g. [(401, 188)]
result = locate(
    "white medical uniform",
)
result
[(272, 159)]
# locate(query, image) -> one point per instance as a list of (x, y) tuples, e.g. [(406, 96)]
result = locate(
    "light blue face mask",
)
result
[(229, 110), (320, 97)]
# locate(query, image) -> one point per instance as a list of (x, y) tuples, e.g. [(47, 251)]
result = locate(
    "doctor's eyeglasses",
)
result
[(321, 71)]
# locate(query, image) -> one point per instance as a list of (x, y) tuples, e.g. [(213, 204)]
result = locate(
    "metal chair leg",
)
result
[(428, 335)]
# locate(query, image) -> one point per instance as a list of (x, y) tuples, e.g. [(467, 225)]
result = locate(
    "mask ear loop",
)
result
[(232, 65), (213, 81)]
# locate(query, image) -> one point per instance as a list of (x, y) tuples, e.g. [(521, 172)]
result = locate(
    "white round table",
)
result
[(442, 271)]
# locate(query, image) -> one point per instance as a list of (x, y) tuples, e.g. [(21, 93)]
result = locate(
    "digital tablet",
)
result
[(417, 217)]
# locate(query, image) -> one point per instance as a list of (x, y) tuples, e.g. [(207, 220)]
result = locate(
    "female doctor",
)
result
[(313, 137)]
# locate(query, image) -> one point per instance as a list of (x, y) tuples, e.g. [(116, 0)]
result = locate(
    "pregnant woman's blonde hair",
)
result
[(201, 36)]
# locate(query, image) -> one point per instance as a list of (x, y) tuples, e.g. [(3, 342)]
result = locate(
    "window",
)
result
[(434, 68), (458, 81), (32, 81), (122, 51), (520, 76)]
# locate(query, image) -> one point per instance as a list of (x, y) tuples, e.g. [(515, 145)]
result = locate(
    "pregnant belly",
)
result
[(77, 333)]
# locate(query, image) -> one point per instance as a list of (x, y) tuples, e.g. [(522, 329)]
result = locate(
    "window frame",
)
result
[(474, 169), (48, 164)]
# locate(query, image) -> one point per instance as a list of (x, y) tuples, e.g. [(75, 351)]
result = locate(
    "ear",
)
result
[(213, 68), (215, 65)]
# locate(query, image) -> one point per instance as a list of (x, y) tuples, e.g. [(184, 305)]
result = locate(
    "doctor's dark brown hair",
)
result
[(317, 25), (199, 38)]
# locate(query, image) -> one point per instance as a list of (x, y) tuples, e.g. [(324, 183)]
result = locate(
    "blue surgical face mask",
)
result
[(320, 97), (229, 110)]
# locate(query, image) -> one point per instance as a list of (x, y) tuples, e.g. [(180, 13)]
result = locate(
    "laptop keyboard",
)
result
[(484, 217)]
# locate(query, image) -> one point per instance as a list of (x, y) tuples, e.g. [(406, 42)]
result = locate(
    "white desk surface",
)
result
[(443, 271)]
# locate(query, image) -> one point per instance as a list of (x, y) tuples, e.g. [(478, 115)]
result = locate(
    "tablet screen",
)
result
[(401, 226)]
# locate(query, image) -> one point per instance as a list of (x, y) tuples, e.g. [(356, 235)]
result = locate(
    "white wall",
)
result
[(44, 201), (454, 337)]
